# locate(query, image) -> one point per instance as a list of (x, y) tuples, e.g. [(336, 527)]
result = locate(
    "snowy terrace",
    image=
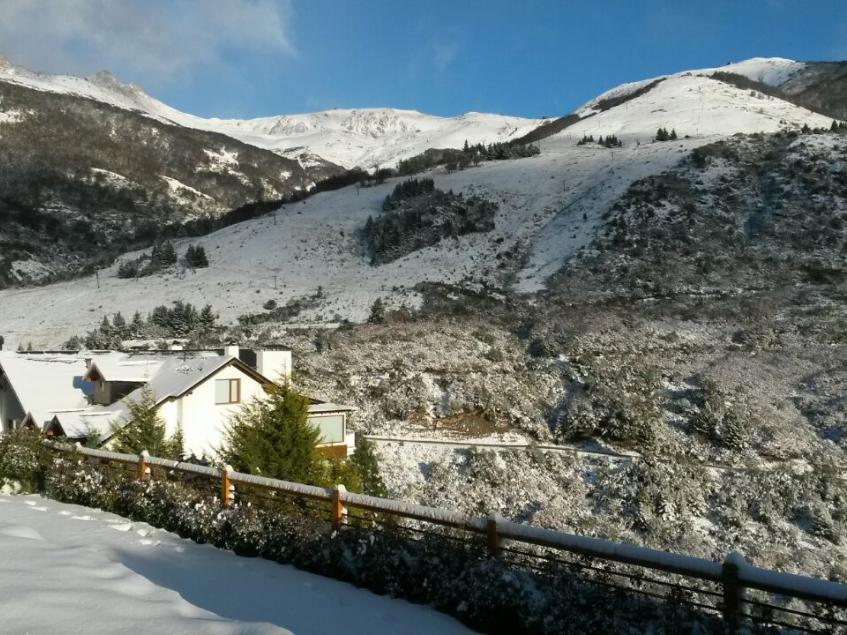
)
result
[(73, 565)]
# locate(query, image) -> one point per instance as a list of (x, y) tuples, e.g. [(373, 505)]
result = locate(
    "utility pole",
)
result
[(97, 275), (274, 283)]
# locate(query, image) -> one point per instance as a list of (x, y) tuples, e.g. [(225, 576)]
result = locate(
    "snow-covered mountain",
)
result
[(363, 137), (700, 103), (549, 206)]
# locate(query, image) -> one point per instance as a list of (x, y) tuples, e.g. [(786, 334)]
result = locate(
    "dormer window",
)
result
[(227, 391)]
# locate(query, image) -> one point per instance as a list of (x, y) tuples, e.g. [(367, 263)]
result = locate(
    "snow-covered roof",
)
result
[(51, 386), (121, 367), (318, 407), (47, 383), (174, 377)]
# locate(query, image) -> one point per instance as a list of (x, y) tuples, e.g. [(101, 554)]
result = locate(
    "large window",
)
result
[(331, 428), (227, 391)]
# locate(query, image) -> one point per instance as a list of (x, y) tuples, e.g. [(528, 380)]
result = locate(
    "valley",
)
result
[(679, 301)]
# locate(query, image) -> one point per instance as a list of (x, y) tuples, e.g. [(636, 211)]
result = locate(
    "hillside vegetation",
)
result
[(81, 181)]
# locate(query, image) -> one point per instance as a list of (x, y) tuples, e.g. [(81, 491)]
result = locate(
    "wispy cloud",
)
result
[(443, 53), (148, 40)]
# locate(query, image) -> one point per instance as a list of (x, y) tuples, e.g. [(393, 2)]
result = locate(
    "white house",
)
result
[(77, 395)]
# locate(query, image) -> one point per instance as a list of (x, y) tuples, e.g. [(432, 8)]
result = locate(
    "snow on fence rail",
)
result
[(734, 574)]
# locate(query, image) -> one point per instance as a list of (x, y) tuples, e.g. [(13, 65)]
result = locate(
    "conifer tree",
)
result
[(272, 437), (377, 315), (366, 464), (144, 429)]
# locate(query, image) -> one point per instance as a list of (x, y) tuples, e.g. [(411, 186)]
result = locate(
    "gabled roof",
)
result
[(174, 378), (124, 368), (46, 383)]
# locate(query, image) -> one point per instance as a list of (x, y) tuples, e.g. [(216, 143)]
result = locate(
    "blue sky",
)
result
[(245, 58)]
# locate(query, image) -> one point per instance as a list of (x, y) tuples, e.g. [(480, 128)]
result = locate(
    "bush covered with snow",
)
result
[(455, 576), (22, 458)]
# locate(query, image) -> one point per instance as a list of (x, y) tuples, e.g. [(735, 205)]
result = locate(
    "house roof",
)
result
[(318, 407), (53, 390), (124, 368), (47, 383), (174, 378)]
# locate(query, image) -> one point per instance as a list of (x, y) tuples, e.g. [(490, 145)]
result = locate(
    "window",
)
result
[(330, 427), (227, 391)]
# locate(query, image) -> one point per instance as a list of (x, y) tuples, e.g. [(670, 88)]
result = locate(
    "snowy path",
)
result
[(71, 569)]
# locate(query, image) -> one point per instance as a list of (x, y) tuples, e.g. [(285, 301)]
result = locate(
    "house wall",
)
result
[(10, 408), (203, 422), (108, 392)]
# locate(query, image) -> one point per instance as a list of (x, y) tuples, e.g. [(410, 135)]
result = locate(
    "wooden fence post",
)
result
[(227, 488), (143, 468), (338, 510), (733, 592), (492, 537)]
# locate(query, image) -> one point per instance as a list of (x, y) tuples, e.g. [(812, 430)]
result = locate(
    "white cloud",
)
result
[(443, 54), (146, 40)]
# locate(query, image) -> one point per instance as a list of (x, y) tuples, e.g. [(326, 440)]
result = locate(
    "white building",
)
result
[(80, 395)]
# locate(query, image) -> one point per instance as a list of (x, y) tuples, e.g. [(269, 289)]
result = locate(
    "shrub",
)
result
[(457, 577), (22, 458), (144, 430)]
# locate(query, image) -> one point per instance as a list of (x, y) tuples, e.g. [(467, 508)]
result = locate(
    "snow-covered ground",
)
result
[(549, 206), (72, 569), (366, 137)]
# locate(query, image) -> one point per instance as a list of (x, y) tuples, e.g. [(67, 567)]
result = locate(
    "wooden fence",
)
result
[(734, 588)]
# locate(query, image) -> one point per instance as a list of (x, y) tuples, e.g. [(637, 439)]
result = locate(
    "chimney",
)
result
[(231, 351), (275, 365)]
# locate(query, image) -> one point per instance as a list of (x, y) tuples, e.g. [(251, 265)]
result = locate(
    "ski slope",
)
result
[(72, 569), (365, 137)]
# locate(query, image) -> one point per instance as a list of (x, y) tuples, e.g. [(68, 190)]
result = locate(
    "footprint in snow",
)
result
[(20, 531), (124, 527)]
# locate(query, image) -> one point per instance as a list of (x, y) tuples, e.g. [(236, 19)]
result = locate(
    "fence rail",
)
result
[(733, 577)]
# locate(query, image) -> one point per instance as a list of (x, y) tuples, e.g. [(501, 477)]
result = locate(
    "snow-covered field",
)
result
[(71, 569), (549, 206)]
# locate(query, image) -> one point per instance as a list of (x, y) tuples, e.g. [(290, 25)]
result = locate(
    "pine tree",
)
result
[(365, 461), (144, 430), (272, 437), (377, 315), (207, 318), (119, 323), (137, 325), (672, 136), (195, 257)]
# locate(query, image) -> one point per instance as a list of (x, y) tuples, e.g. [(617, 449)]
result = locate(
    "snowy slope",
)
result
[(365, 137), (694, 105), (72, 569), (773, 71), (549, 206)]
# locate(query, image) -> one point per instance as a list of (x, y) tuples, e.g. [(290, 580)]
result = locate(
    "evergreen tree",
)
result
[(119, 323), (672, 136), (366, 464), (377, 315), (137, 325), (196, 258), (144, 430), (272, 437), (207, 318)]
